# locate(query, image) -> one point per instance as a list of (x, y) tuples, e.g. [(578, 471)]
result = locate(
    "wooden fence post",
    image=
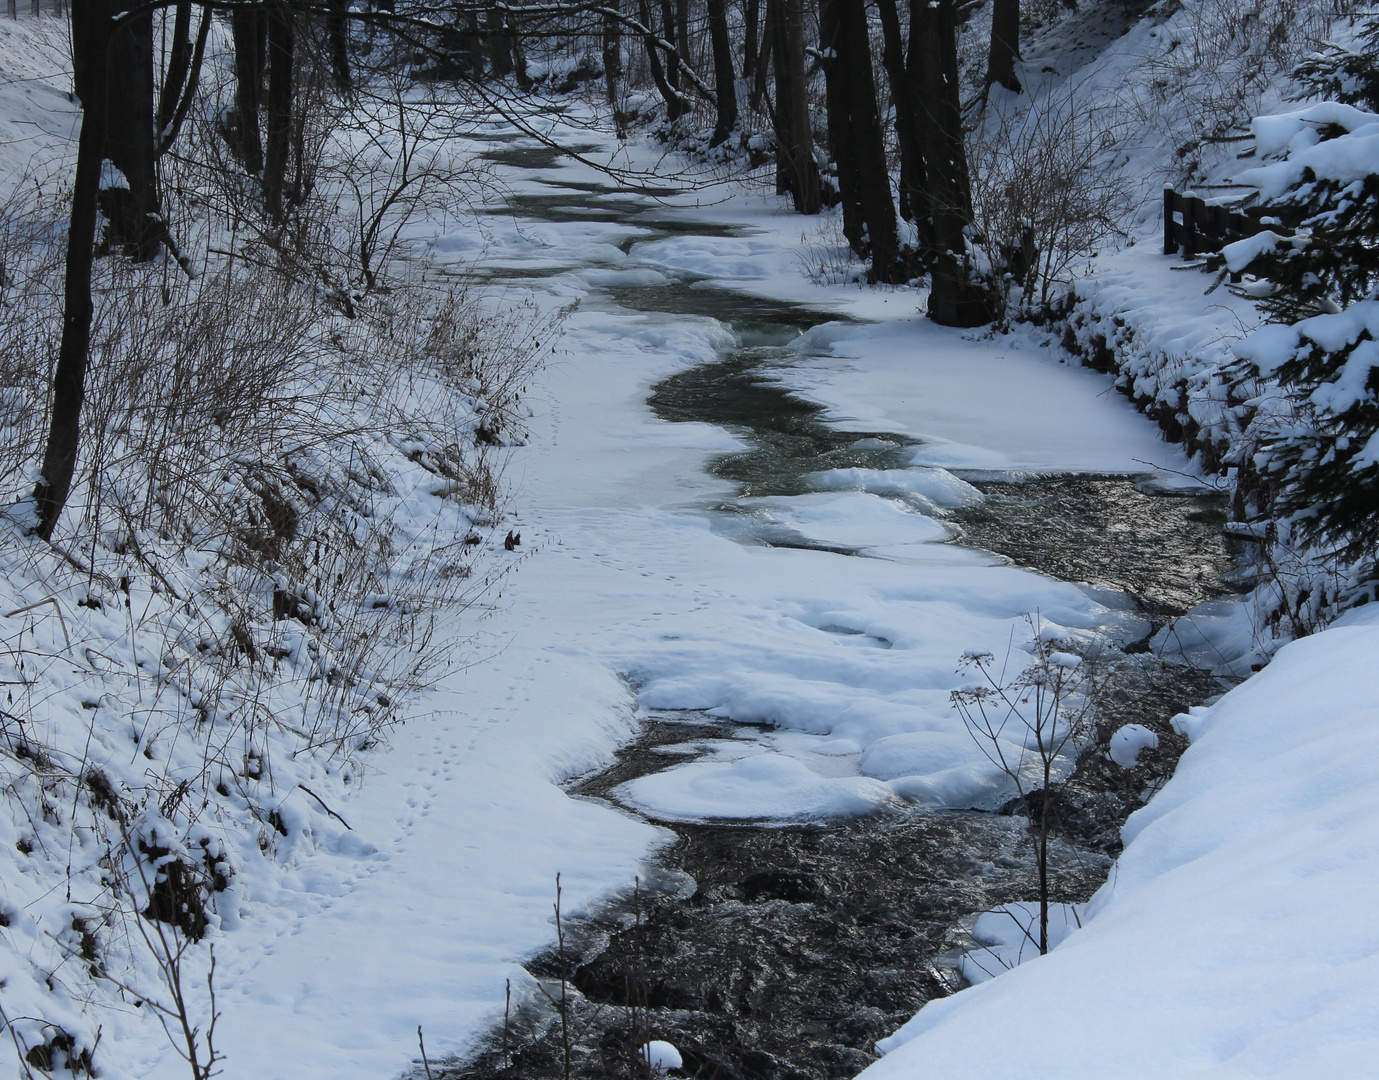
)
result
[(1170, 240)]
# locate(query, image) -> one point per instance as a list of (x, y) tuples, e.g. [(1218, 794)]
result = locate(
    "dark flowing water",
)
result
[(785, 952), (1166, 550)]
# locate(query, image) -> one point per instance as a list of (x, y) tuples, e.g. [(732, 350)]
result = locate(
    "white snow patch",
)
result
[(1128, 741)]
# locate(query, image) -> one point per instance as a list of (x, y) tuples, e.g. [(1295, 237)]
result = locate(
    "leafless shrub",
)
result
[(1031, 725), (393, 161), (31, 220), (1042, 195)]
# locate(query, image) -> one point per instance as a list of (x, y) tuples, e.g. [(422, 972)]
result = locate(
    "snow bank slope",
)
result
[(1236, 936)]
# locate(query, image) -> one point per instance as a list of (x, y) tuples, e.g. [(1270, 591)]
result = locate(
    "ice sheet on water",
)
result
[(946, 454), (631, 277), (1218, 636), (767, 786), (919, 753), (853, 519), (938, 487)]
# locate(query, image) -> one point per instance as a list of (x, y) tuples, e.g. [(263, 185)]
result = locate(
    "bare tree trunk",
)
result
[(751, 17), (178, 66), (281, 48), (91, 25), (519, 57), (337, 27), (183, 74), (612, 65), (1005, 45), (834, 51), (499, 45), (855, 130), (676, 106), (760, 83), (914, 198), (133, 211), (796, 170), (476, 45), (873, 177), (682, 35), (724, 81), (668, 35), (249, 27), (957, 297)]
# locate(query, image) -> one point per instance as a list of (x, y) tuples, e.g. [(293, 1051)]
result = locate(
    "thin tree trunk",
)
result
[(833, 48), (762, 69), (957, 297), (612, 65), (519, 56), (247, 25), (914, 202), (682, 35), (178, 66), (1005, 45), (91, 24), (724, 81), (281, 46), (676, 106), (337, 29), (796, 170), (670, 38), (179, 87), (751, 17)]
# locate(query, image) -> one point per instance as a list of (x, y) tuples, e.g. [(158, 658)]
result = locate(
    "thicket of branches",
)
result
[(282, 452)]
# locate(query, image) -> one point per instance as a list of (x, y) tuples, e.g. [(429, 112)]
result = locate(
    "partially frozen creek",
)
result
[(809, 902)]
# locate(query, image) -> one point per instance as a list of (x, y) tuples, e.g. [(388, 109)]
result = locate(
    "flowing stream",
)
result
[(770, 951)]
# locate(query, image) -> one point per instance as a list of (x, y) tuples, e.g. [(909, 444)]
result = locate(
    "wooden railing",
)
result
[(1192, 227)]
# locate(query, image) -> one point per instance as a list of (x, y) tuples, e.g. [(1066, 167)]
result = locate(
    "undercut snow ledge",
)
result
[(1236, 936)]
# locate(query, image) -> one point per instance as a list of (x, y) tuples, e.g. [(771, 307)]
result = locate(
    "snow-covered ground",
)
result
[(629, 598), (1233, 938)]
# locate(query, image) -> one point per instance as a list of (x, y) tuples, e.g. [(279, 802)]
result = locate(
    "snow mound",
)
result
[(854, 519), (765, 786), (1127, 743)]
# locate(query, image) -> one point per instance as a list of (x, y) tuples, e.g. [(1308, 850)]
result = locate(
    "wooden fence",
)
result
[(1193, 228)]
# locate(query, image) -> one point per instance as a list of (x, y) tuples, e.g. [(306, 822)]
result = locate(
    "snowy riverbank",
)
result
[(1234, 937)]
